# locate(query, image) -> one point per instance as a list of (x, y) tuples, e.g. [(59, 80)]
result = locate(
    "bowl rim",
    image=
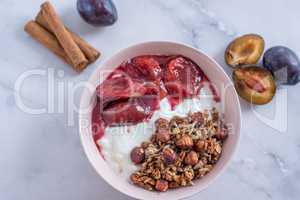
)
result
[(83, 115)]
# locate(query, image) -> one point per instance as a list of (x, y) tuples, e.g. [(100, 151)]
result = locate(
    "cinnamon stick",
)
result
[(47, 39), (90, 52), (76, 56)]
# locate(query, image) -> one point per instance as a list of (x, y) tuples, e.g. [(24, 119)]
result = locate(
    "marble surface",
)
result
[(41, 156)]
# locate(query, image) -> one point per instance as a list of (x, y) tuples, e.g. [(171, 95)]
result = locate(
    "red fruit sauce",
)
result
[(132, 92)]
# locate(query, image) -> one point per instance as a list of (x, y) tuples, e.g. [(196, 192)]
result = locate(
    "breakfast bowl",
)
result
[(229, 106)]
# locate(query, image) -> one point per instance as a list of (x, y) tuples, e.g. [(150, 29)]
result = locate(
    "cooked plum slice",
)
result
[(98, 124), (185, 75), (145, 68), (123, 113), (119, 87), (133, 110), (175, 93)]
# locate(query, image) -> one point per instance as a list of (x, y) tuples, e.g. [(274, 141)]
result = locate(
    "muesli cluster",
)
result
[(180, 151)]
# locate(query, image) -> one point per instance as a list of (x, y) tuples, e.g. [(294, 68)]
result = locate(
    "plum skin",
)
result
[(98, 12), (283, 63)]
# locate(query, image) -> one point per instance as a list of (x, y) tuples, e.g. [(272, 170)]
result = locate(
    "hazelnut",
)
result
[(169, 156), (137, 155), (162, 185), (222, 134), (185, 142), (163, 135), (191, 158), (197, 118), (200, 146), (161, 123)]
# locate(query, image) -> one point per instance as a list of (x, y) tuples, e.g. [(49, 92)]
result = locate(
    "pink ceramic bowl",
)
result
[(216, 74)]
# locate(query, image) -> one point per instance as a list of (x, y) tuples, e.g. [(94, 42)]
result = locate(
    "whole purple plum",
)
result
[(283, 63)]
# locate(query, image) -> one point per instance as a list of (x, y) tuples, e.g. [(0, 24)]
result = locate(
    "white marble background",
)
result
[(42, 158)]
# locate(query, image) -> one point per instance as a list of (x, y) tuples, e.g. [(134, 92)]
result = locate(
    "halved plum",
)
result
[(244, 50), (254, 84)]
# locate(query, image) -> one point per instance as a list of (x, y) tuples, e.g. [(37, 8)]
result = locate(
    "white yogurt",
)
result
[(118, 142)]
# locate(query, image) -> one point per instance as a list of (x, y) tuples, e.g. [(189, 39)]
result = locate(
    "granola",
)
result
[(180, 151)]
